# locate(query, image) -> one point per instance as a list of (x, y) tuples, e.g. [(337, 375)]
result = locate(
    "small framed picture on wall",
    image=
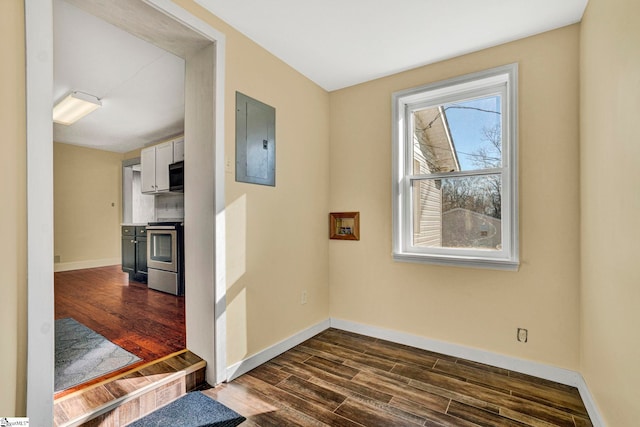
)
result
[(344, 225)]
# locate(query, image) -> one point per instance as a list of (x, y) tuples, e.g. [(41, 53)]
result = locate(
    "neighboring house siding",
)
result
[(428, 215), (432, 153)]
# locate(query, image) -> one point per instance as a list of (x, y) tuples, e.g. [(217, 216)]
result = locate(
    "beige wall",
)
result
[(471, 307), (13, 225), (269, 265), (277, 243), (132, 154), (609, 153), (87, 205)]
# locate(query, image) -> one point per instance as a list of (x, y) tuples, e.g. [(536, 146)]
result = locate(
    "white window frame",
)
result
[(501, 80)]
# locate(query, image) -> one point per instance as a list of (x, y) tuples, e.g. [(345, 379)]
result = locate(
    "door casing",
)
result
[(204, 139)]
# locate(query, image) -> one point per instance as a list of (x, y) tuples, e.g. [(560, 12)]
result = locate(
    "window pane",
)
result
[(461, 136), (462, 212)]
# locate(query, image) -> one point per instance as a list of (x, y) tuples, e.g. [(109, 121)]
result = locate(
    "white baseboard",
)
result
[(79, 265), (590, 404), (245, 365), (560, 375), (552, 373)]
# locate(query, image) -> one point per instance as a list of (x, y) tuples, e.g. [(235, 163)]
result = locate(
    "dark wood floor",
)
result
[(148, 323), (343, 379)]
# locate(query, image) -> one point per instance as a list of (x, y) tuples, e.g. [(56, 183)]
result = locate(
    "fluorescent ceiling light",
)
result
[(74, 107)]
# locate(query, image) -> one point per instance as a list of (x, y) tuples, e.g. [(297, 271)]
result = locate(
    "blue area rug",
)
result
[(82, 355), (191, 410)]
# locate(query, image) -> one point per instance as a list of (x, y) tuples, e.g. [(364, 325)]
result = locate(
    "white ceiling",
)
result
[(141, 85), (340, 43), (335, 43)]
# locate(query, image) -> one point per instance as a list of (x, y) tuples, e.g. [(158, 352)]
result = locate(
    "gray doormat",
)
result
[(191, 410), (82, 354)]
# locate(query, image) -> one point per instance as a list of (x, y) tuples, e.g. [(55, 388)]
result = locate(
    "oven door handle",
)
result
[(161, 227)]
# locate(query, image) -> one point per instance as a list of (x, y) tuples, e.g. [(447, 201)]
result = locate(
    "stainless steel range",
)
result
[(165, 257)]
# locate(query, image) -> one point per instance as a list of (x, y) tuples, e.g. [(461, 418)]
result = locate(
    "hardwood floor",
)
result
[(342, 379), (147, 323), (336, 378)]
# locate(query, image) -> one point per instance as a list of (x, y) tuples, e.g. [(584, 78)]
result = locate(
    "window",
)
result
[(455, 190)]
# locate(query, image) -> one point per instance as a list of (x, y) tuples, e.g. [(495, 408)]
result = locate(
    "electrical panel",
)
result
[(255, 141)]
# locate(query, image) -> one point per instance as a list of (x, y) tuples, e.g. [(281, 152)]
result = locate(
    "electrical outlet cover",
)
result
[(523, 335)]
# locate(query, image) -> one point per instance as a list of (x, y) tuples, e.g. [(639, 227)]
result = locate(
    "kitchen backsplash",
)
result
[(169, 206), (142, 205)]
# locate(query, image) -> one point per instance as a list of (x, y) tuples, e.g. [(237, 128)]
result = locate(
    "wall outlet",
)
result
[(303, 297), (523, 335)]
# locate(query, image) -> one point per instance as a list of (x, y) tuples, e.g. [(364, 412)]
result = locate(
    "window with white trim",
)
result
[(455, 186)]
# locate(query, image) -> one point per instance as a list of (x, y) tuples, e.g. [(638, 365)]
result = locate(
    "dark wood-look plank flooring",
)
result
[(338, 378), (147, 323)]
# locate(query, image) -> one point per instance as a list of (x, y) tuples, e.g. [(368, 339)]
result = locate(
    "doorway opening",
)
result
[(172, 28), (101, 215)]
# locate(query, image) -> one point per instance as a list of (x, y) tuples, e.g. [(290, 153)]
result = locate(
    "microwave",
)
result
[(176, 177)]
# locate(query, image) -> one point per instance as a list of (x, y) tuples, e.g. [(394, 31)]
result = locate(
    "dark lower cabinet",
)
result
[(141, 256), (134, 252), (128, 254)]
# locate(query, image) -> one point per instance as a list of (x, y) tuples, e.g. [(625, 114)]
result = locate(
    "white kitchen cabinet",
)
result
[(148, 170), (155, 163), (164, 157), (178, 150)]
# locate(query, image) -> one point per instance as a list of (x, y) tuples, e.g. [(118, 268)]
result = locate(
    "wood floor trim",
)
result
[(137, 387), (126, 373), (122, 400), (536, 369)]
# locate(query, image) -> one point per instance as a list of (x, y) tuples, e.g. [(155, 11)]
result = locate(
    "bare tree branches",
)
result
[(460, 107), (480, 194)]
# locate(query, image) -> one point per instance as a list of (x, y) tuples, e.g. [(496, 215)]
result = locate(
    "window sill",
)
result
[(485, 263)]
